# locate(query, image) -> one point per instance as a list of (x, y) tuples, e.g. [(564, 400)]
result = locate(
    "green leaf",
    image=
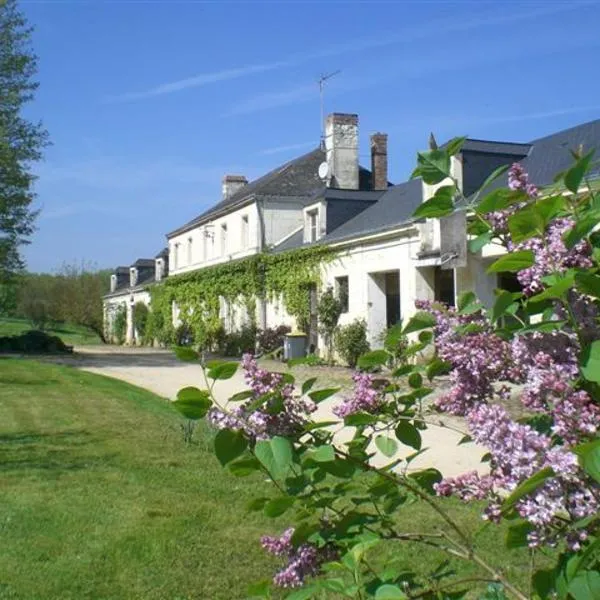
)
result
[(513, 262), (574, 176), (499, 199), (433, 166), (588, 283), (243, 467), (319, 425), (277, 506), (427, 478), (454, 146), (528, 486), (320, 395), (466, 299), (324, 453), (415, 380), (186, 354), (389, 592), (386, 445), (590, 361), (305, 593), (192, 403), (376, 358), (437, 367), (229, 445), (558, 290), (480, 241), (516, 536), (421, 320), (256, 504), (585, 586), (503, 301), (525, 224), (589, 458), (582, 228), (439, 205), (225, 370), (408, 434), (240, 396), (307, 385), (358, 419), (276, 455)]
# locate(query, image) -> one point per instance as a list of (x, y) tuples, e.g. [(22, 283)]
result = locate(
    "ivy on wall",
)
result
[(197, 294)]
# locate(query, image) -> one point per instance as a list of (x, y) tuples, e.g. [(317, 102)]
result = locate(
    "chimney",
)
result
[(379, 161), (133, 276), (159, 266), (231, 184), (341, 147)]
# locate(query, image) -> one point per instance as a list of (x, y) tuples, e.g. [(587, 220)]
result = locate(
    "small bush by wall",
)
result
[(351, 341)]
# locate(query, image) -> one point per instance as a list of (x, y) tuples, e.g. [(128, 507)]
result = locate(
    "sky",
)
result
[(149, 103)]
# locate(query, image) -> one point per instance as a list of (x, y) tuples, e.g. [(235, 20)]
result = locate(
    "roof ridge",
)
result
[(562, 131)]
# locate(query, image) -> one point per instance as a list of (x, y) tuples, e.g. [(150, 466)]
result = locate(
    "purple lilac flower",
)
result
[(259, 423), (303, 561), (365, 398)]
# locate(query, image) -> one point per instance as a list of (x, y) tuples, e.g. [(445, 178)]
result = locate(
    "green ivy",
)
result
[(197, 294)]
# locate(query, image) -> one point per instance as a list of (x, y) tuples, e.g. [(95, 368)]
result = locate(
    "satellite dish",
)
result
[(323, 170)]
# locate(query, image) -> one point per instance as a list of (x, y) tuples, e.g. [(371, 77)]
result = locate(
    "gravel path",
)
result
[(160, 372)]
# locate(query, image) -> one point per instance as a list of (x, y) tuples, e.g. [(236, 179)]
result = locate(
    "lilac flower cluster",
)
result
[(478, 359), (364, 398), (518, 179), (551, 255), (302, 561), (261, 422), (518, 452)]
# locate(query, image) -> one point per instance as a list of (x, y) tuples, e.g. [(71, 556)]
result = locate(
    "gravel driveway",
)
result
[(160, 372)]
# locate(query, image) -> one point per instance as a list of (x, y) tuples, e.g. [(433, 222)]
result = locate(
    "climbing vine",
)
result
[(198, 294)]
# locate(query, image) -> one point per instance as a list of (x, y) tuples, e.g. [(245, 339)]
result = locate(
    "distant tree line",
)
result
[(72, 295)]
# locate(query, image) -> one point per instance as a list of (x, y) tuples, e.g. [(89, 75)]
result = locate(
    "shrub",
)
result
[(329, 310), (140, 320), (272, 338), (240, 342), (184, 335), (119, 330), (34, 342), (351, 341)]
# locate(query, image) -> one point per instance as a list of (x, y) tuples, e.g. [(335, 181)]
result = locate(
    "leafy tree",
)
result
[(351, 341), (119, 324), (140, 320), (21, 141), (329, 310)]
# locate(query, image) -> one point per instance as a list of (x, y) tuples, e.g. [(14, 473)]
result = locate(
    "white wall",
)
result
[(206, 244), (128, 300), (281, 219)]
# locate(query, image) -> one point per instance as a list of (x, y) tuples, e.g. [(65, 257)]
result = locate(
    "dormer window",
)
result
[(158, 269), (113, 282)]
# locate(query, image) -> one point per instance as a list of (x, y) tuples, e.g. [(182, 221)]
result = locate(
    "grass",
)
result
[(101, 499), (72, 335)]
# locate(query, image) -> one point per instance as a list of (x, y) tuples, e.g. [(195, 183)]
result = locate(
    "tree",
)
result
[(140, 321), (21, 141)]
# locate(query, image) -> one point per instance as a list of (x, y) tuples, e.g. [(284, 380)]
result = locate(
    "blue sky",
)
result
[(149, 104)]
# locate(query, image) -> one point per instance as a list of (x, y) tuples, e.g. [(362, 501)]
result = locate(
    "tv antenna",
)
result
[(322, 80)]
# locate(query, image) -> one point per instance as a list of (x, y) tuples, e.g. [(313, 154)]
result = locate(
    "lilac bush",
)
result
[(538, 348)]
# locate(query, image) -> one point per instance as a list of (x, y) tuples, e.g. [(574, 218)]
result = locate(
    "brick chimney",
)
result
[(341, 148), (231, 184), (379, 161)]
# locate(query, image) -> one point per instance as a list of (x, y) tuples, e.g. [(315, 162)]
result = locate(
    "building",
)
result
[(128, 286), (386, 259)]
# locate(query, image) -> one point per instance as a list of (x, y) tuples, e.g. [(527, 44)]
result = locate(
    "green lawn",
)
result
[(101, 499), (72, 335)]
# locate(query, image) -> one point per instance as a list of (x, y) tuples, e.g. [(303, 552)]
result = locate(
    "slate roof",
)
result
[(164, 253), (298, 177), (293, 241), (492, 147), (394, 207), (143, 262)]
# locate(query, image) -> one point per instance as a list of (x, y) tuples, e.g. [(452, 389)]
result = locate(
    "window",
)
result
[(223, 238), (444, 285), (313, 225), (205, 244), (341, 291), (175, 256), (189, 251), (245, 232)]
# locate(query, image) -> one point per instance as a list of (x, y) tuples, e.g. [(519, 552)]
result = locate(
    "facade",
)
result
[(386, 259), (128, 286)]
